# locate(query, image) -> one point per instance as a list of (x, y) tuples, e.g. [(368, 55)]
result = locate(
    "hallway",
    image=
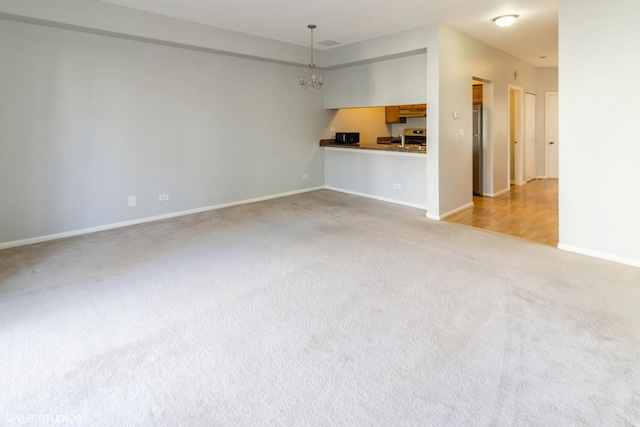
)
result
[(528, 211)]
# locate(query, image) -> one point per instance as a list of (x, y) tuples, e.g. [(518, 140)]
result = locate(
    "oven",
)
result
[(415, 136)]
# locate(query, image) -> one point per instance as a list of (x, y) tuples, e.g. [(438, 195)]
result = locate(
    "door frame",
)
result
[(488, 184), (530, 146), (546, 131), (518, 159)]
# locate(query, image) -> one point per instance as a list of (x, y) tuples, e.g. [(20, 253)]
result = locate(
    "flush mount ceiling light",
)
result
[(314, 79), (505, 20)]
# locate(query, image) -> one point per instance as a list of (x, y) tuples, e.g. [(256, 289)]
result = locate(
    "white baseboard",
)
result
[(499, 193), (382, 199), (451, 212), (542, 177), (601, 255), (72, 233)]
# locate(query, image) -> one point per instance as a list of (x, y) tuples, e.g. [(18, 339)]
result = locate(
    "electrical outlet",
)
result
[(163, 197), (397, 186), (305, 176), (132, 201)]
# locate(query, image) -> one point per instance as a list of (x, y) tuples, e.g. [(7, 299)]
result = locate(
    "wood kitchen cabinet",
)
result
[(399, 113), (477, 94), (392, 114)]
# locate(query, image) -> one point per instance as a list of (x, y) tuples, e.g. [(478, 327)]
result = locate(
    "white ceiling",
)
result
[(534, 35)]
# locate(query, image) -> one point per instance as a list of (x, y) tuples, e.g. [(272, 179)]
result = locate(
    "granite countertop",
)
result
[(375, 146)]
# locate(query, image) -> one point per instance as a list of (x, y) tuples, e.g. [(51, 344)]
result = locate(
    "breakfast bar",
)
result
[(382, 172)]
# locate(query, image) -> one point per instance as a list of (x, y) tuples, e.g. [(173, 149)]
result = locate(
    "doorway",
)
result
[(551, 134), (522, 136), (529, 137), (516, 154), (483, 165), (477, 136)]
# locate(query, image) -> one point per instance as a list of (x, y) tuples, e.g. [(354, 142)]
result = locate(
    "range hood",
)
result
[(417, 110)]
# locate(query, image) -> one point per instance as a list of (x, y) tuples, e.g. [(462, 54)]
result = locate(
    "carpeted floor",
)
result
[(316, 309)]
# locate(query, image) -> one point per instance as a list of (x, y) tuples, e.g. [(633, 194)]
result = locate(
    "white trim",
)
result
[(601, 255), (382, 199), (73, 233), (546, 130), (499, 193), (527, 143), (517, 160), (451, 212), (542, 177)]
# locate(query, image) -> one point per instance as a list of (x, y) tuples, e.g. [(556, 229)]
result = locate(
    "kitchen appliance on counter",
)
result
[(347, 137), (389, 140), (415, 136)]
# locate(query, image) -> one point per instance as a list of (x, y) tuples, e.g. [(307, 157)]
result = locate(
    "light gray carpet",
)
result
[(315, 309)]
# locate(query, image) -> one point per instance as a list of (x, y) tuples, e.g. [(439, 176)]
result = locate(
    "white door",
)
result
[(551, 125), (529, 137), (516, 152)]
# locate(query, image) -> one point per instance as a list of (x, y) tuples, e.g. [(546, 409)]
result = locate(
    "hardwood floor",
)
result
[(528, 211)]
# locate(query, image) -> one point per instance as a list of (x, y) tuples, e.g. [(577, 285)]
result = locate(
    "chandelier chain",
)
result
[(312, 64), (314, 80)]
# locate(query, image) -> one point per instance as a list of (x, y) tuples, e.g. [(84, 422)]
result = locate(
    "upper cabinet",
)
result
[(477, 94), (392, 114), (399, 113)]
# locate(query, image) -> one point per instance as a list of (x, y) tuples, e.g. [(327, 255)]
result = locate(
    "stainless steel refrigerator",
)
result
[(477, 149)]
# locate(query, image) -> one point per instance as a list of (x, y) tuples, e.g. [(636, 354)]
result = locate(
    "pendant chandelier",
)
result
[(313, 80)]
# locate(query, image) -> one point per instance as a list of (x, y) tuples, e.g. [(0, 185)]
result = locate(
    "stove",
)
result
[(415, 136)]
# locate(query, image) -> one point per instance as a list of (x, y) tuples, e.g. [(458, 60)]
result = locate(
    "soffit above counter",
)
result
[(405, 43)]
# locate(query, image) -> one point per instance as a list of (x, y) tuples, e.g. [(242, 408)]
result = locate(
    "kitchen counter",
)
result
[(380, 147)]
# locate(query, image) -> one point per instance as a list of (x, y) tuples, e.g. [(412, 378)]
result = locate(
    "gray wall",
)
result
[(461, 59), (101, 17), (88, 120), (374, 174), (385, 82)]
